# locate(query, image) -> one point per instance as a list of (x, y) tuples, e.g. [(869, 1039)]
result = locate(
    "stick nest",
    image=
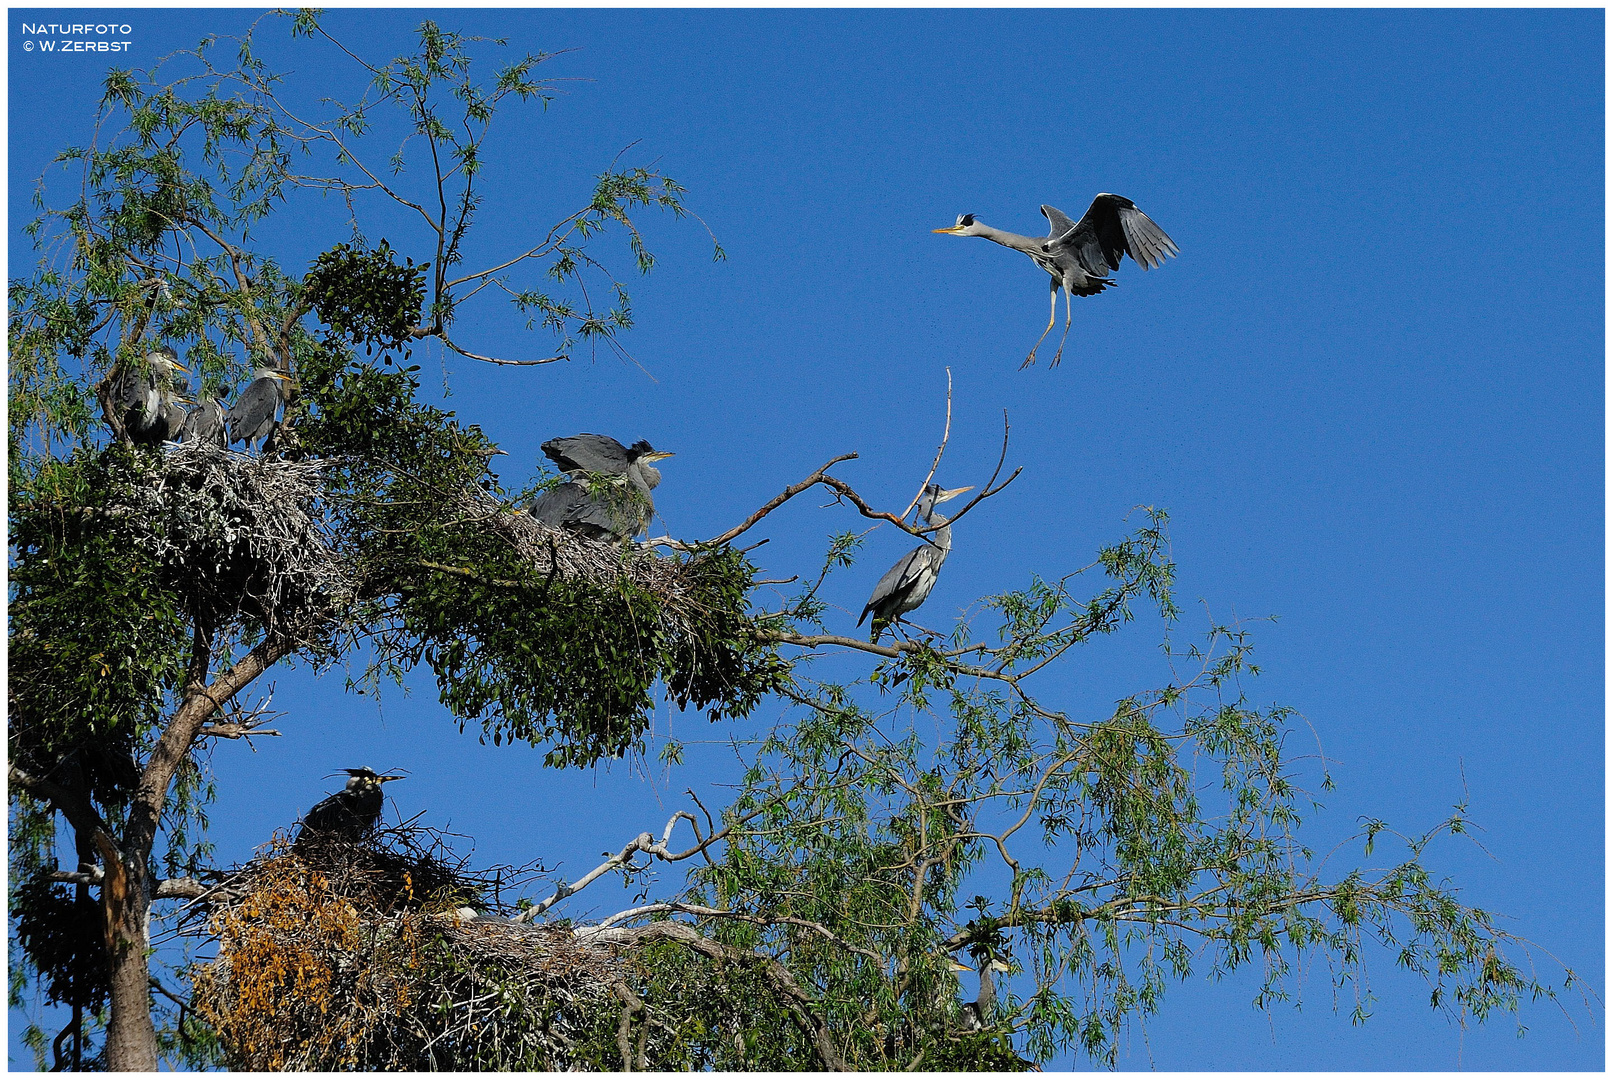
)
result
[(236, 535), (346, 955)]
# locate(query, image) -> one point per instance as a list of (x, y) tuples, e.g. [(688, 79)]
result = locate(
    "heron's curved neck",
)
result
[(988, 992), (942, 537)]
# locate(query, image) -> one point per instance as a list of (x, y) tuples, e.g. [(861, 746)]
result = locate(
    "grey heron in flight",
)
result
[(351, 812), (907, 584), (608, 495), (1078, 255), (150, 401), (205, 424), (252, 416)]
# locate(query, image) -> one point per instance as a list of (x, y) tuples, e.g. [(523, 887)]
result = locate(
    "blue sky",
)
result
[(1369, 392)]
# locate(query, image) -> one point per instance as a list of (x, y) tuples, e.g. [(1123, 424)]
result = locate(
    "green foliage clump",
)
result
[(86, 687), (366, 296)]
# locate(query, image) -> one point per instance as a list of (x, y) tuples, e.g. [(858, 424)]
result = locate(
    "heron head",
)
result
[(164, 356), (965, 226), (358, 779), (642, 451)]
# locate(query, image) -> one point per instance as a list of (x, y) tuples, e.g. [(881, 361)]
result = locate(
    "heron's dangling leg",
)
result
[(1052, 313), (1058, 355)]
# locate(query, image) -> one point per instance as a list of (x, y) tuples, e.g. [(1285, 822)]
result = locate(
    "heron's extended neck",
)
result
[(988, 993), (1028, 244)]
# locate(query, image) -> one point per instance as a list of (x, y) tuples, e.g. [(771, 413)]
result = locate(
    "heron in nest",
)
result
[(608, 494), (350, 813), (152, 402), (252, 417), (979, 1013), (1078, 255)]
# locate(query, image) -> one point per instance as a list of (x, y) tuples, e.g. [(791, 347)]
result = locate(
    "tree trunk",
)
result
[(131, 1039)]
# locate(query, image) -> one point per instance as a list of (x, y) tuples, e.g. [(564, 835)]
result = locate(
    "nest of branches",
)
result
[(235, 535), (561, 555), (338, 955)]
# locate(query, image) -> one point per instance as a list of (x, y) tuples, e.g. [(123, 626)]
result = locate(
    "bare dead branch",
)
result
[(946, 433)]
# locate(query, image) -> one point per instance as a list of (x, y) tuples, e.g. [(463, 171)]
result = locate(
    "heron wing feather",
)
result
[(588, 453)]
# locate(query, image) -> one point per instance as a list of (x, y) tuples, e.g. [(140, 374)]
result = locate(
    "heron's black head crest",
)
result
[(965, 219), (640, 448)]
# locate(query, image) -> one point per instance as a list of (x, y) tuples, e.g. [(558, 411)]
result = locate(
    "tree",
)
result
[(154, 586)]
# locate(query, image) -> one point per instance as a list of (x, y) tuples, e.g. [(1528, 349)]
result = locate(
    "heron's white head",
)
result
[(966, 226)]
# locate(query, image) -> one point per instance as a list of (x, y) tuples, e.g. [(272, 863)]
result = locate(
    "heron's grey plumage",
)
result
[(351, 812), (980, 1013), (1078, 255), (907, 585), (253, 414), (205, 424), (148, 401), (608, 497)]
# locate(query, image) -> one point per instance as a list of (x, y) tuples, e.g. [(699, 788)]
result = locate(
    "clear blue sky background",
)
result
[(1369, 392)]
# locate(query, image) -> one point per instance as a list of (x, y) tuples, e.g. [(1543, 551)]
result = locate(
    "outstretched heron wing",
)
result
[(1058, 220), (1112, 227)]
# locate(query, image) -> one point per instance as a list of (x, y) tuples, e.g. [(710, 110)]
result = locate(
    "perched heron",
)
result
[(1078, 255), (351, 812), (608, 495), (980, 1012), (205, 424), (252, 416), (907, 584), (149, 401)]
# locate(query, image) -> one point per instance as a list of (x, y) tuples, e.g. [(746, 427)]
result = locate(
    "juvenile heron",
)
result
[(608, 496), (351, 812), (149, 400), (979, 1013), (907, 584), (205, 424), (1078, 255), (252, 416)]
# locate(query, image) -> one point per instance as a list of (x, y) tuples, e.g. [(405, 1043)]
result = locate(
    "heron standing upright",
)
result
[(907, 584), (979, 1013), (608, 495), (205, 424), (1078, 255), (149, 400), (351, 812), (252, 416)]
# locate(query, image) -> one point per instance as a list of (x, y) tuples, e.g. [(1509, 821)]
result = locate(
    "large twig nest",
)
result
[(356, 956), (236, 534)]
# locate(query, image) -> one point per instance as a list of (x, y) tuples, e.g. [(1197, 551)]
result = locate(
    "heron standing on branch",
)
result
[(1078, 255), (351, 812), (608, 495), (253, 414), (907, 584)]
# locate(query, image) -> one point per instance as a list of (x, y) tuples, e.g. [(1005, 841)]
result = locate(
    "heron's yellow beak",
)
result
[(952, 230), (657, 455), (953, 493), (384, 779)]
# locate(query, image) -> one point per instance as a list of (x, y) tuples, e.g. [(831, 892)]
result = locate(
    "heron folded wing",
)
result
[(588, 453)]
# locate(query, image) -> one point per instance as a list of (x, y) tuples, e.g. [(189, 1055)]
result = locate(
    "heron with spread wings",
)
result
[(1078, 255)]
